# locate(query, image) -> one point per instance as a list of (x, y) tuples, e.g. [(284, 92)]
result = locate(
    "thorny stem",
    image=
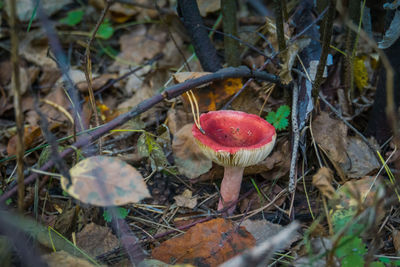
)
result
[(230, 187)]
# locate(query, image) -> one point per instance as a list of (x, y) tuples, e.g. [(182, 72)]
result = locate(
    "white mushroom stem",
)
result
[(230, 187)]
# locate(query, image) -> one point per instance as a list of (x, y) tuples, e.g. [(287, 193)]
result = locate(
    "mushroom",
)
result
[(235, 140)]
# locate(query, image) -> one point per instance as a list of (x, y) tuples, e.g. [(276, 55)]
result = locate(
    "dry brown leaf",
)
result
[(331, 135), (288, 58), (208, 6), (97, 82), (211, 96), (105, 181), (322, 180), (120, 13), (396, 240), (186, 200), (189, 158), (206, 244), (64, 259), (31, 136), (96, 239), (363, 159), (177, 118)]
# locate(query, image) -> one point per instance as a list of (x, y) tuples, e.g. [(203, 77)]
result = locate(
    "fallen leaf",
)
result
[(96, 239), (323, 181), (211, 96), (105, 181), (205, 244), (362, 159), (64, 259), (97, 82), (120, 13), (396, 240), (66, 221), (186, 200), (31, 136), (189, 158), (177, 118), (25, 7), (208, 6), (263, 230), (331, 134), (288, 58)]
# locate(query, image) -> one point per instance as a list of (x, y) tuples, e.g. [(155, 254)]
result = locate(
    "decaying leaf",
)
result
[(105, 181), (288, 58), (323, 181), (186, 200), (96, 239), (206, 244), (362, 158), (331, 134), (149, 147), (210, 96), (208, 6), (62, 258), (31, 135), (263, 230), (189, 159)]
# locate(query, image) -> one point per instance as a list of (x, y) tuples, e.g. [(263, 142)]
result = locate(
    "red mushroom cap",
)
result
[(235, 138)]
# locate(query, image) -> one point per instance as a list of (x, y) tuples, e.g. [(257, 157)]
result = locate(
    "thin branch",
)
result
[(326, 41), (296, 134), (169, 93), (88, 62), (279, 25), (19, 116)]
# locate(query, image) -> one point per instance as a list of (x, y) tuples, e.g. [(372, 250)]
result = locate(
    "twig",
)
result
[(19, 116), (88, 62), (295, 132), (259, 255), (205, 51), (279, 25), (169, 93), (326, 41), (231, 47)]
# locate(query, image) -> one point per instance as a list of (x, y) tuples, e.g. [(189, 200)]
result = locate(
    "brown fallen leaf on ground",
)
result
[(206, 244), (31, 135), (189, 159), (96, 239), (213, 95), (62, 258), (105, 181), (323, 181), (256, 202), (186, 200)]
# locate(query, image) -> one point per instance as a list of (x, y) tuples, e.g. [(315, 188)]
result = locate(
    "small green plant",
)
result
[(105, 30), (121, 214), (351, 249), (73, 17), (279, 118), (8, 201)]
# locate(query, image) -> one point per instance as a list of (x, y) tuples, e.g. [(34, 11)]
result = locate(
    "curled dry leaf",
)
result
[(322, 180), (206, 244), (189, 159), (186, 200), (105, 181), (96, 239)]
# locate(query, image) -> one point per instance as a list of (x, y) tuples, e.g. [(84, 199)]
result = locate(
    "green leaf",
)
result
[(350, 245), (105, 30), (353, 260), (279, 118), (8, 201), (384, 259), (73, 17), (121, 214), (377, 264)]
